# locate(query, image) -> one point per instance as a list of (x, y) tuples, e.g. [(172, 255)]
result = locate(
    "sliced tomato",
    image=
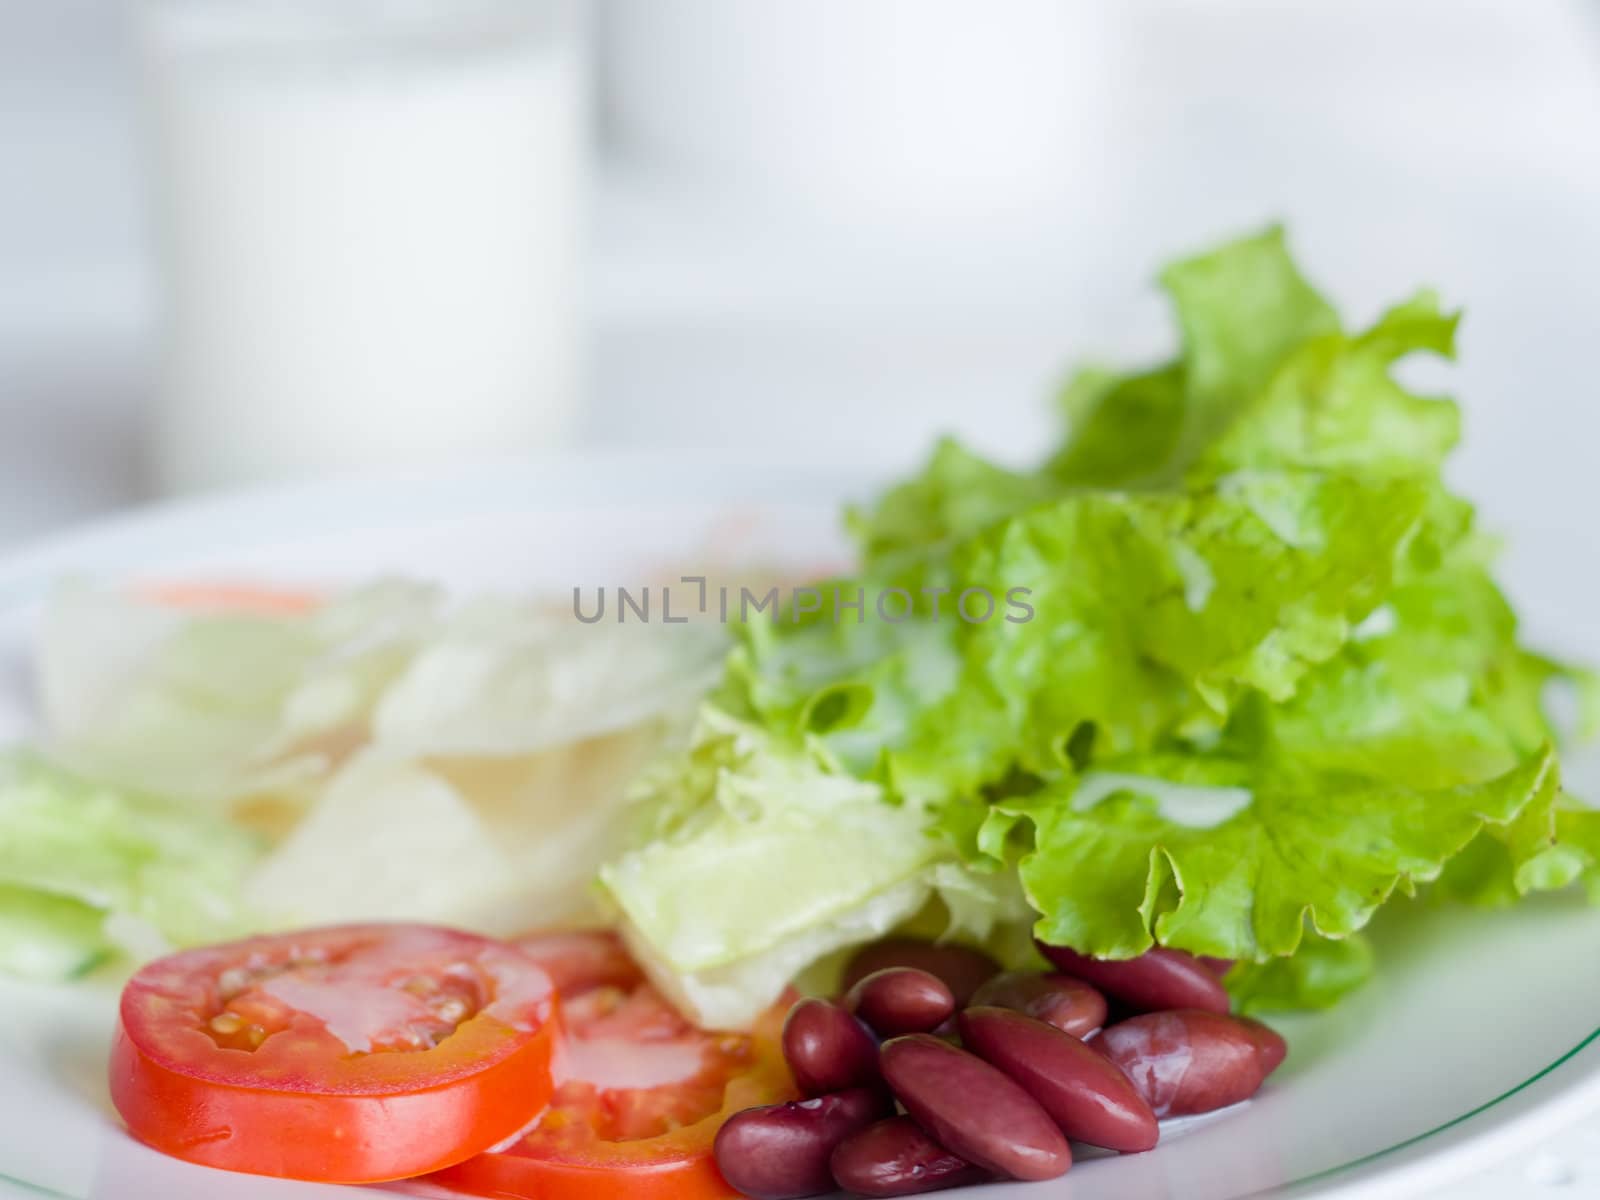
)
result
[(351, 1054), (640, 1091), (583, 961)]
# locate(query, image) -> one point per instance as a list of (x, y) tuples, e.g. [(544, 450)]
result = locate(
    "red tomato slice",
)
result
[(579, 962), (352, 1054), (640, 1092)]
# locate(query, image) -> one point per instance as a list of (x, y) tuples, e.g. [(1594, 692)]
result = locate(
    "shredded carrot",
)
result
[(245, 598)]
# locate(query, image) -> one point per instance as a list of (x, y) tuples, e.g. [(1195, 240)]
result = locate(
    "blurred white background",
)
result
[(839, 226), (830, 228)]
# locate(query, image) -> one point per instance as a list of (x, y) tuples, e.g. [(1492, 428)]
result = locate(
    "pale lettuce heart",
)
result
[(759, 862), (512, 677), (732, 994), (408, 755), (219, 706), (387, 840), (499, 844)]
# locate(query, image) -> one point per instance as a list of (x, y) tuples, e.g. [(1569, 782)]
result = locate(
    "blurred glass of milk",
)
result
[(369, 218)]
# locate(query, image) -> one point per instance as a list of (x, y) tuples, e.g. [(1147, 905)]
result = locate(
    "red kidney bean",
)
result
[(1084, 1093), (1071, 1005), (1217, 966), (899, 1000), (1191, 1061), (828, 1049), (896, 1158), (1158, 979), (962, 968), (1270, 1045), (973, 1110), (781, 1151)]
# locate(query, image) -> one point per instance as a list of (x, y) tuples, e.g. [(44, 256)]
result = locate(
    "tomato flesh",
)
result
[(640, 1092), (579, 962), (353, 1054)]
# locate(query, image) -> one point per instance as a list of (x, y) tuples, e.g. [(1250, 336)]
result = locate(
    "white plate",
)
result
[(1479, 1034)]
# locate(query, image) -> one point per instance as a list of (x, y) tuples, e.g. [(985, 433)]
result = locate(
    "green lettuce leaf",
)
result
[(1318, 975), (85, 869), (1180, 603), (1266, 379), (1332, 403), (1241, 310), (1545, 849), (49, 937), (1238, 858), (1433, 689), (1241, 591)]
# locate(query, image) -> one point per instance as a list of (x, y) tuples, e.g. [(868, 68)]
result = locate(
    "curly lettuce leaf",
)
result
[(1333, 404), (1545, 849), (1320, 974), (1241, 309), (1247, 597), (1432, 689), (1168, 580), (1239, 858), (956, 495), (1578, 831), (1176, 605), (1266, 379)]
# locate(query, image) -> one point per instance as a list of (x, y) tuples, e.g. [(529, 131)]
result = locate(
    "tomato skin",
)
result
[(332, 1139), (692, 1176), (310, 1109), (578, 1162)]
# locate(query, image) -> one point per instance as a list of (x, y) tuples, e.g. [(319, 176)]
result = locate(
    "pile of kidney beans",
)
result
[(993, 1073)]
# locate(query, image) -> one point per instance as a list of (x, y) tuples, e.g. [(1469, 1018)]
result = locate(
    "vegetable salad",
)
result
[(1250, 677)]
